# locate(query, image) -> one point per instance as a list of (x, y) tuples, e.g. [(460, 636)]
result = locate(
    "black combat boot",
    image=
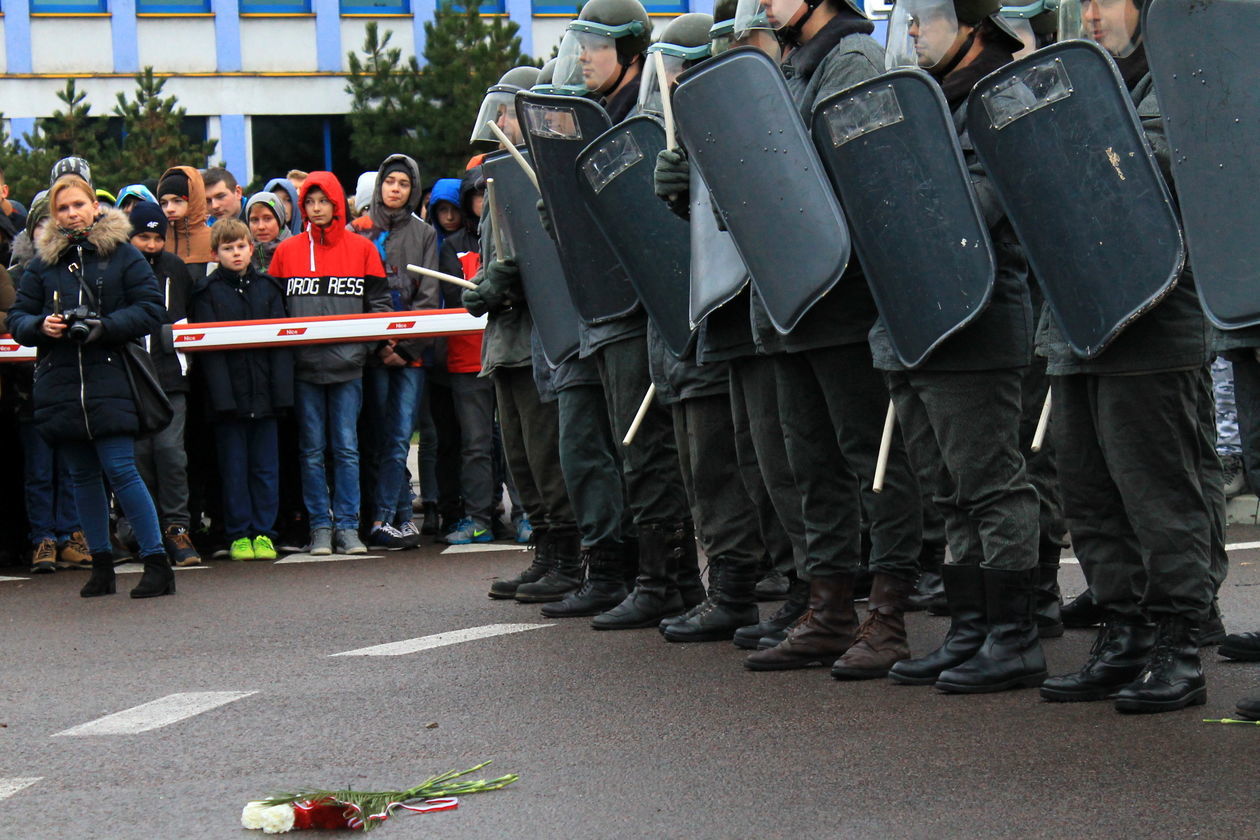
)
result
[(964, 593), (158, 578), (929, 591), (564, 576), (824, 632), (1241, 647), (684, 566), (779, 621), (772, 585), (1212, 630), (715, 581), (543, 562), (1173, 676), (1117, 657), (730, 605), (1011, 655), (1248, 708), (653, 597), (102, 581), (1082, 611), (1049, 599), (602, 590)]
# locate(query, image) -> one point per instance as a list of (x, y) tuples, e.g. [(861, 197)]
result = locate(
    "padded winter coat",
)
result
[(81, 391)]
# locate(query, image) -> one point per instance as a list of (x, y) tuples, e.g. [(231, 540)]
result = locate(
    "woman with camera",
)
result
[(85, 294)]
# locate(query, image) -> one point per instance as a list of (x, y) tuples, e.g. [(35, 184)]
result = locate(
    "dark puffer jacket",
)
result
[(243, 384), (81, 391)]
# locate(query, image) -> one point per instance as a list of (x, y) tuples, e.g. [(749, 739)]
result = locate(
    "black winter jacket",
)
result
[(81, 391), (175, 283), (243, 384)]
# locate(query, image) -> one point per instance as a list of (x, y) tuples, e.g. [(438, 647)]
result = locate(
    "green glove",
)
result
[(475, 302), (545, 216), (672, 178), (499, 288)]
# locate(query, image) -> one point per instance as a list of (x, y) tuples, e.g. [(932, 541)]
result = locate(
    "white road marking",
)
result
[(474, 548), (454, 637), (325, 558), (8, 787), (137, 568), (157, 713), (13, 578)]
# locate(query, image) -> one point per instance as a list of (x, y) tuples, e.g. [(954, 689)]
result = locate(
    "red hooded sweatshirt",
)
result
[(330, 271)]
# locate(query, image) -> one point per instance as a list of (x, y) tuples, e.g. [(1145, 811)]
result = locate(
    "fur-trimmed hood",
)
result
[(111, 230)]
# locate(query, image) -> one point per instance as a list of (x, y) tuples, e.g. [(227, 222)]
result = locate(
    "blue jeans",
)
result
[(249, 465), (328, 417), (394, 398), (116, 458), (50, 505)]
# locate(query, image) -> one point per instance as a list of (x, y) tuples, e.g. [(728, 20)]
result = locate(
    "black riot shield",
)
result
[(1202, 57), (1063, 148), (717, 271), (546, 291), (893, 155), (556, 129), (652, 243), (745, 134)]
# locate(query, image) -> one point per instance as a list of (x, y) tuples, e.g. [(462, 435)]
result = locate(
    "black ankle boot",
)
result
[(715, 582), (1011, 655), (1173, 676), (779, 621), (964, 594), (543, 562), (564, 576), (1082, 611), (653, 596), (730, 606), (102, 581), (1049, 599), (1117, 657), (684, 567), (158, 578), (929, 591), (602, 590)]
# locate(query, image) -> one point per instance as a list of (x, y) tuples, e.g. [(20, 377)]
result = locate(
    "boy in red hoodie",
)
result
[(329, 271)]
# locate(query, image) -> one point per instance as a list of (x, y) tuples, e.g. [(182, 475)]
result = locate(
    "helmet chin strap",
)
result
[(790, 35)]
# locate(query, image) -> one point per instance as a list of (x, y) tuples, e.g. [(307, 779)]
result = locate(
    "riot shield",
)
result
[(652, 243), (556, 129), (1063, 148), (542, 275), (1202, 62), (744, 133), (717, 272), (892, 152)]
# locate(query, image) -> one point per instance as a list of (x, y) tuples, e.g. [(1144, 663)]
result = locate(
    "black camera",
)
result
[(76, 320)]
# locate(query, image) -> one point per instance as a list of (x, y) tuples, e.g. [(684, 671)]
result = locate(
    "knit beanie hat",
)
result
[(70, 166), (147, 217), (175, 183)]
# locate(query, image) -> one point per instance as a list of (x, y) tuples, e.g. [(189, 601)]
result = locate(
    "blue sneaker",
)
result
[(467, 531), (524, 531)]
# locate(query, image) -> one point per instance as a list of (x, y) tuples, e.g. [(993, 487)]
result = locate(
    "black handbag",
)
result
[(153, 407)]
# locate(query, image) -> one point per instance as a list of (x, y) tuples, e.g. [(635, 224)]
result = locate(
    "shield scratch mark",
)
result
[(1115, 161)]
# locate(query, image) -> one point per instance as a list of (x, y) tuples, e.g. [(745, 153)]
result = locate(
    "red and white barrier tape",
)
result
[(296, 332)]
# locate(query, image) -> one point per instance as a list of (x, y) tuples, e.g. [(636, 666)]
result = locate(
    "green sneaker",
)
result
[(242, 549), (263, 548)]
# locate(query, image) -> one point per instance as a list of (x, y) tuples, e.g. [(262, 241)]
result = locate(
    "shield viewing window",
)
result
[(849, 119), (1024, 92), (609, 162), (547, 121)]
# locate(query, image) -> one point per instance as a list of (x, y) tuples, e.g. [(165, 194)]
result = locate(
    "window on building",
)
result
[(375, 7), (275, 7), (172, 7), (570, 9), (494, 7), (67, 7)]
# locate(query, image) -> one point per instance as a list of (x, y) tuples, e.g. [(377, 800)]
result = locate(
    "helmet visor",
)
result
[(1115, 25), (921, 33), (587, 61), (499, 107), (649, 84)]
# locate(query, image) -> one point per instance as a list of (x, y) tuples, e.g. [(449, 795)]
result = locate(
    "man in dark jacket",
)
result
[(329, 271), (161, 458)]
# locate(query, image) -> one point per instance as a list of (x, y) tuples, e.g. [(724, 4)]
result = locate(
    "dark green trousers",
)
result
[(962, 433), (589, 462), (1041, 465), (1131, 454), (531, 446)]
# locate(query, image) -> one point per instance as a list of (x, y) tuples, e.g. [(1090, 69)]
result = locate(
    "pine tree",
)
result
[(464, 54), (153, 137), (384, 114)]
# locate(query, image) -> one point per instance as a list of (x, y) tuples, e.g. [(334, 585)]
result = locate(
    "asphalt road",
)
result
[(613, 734)]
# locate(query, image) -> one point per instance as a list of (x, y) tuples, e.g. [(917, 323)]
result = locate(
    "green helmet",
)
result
[(545, 75), (499, 107), (624, 20), (686, 35), (520, 77), (724, 10)]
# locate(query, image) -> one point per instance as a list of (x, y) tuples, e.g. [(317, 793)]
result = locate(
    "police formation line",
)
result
[(734, 247)]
